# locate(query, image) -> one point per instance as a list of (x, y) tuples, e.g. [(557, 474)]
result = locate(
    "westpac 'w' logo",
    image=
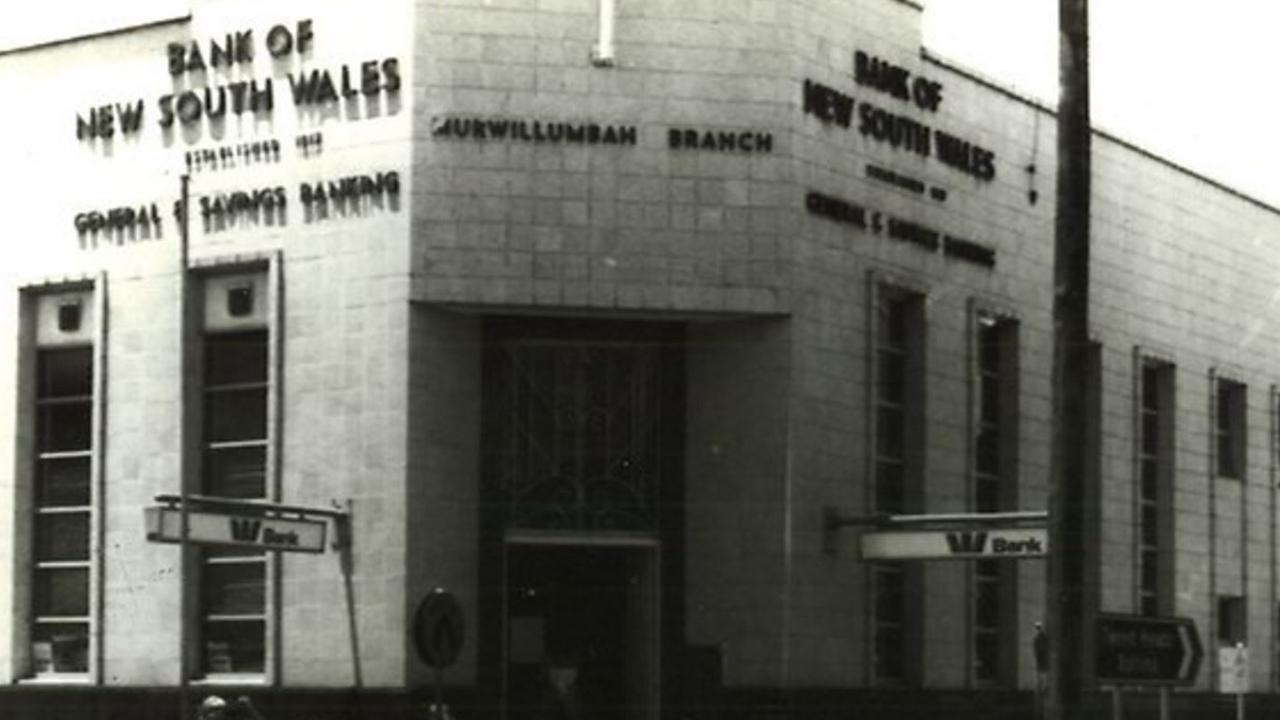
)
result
[(966, 542), (245, 529)]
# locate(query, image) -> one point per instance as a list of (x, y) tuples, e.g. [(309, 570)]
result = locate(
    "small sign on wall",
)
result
[(1233, 669)]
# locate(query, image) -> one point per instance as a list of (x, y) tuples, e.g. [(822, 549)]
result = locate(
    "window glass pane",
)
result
[(987, 458), (989, 410), (65, 427), (234, 646), (1150, 525), (889, 595), (236, 472), (1226, 456), (987, 604), (1148, 606), (1150, 433), (235, 588), (893, 382), (236, 415), (61, 591), (889, 652), (893, 322), (986, 569), (986, 646), (235, 358), (1150, 477), (60, 647), (1231, 621), (889, 432), (63, 482), (1150, 570), (989, 347), (890, 496), (1150, 387), (986, 494), (66, 372), (62, 536)]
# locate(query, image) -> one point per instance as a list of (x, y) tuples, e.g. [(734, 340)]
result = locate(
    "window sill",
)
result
[(56, 679), (223, 679)]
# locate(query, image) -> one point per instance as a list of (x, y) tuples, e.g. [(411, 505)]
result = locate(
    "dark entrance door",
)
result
[(581, 633), (582, 457)]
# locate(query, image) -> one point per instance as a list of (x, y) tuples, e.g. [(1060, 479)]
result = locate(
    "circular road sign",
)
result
[(438, 629)]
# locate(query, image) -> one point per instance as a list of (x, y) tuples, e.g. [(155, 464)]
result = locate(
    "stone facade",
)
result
[(754, 172)]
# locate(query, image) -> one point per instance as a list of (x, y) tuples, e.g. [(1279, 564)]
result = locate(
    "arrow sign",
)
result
[(1138, 650)]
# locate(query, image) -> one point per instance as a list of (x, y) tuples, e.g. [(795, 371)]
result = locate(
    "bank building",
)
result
[(602, 317)]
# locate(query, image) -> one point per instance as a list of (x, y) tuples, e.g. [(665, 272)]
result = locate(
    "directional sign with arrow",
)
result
[(1138, 650)]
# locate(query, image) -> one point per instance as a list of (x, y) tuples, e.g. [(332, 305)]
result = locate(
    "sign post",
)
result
[(1233, 674), (438, 633)]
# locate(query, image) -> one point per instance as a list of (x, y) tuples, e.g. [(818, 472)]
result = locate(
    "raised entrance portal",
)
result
[(582, 636), (582, 467)]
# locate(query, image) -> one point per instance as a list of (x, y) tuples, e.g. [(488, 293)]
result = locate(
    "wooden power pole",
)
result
[(1071, 358)]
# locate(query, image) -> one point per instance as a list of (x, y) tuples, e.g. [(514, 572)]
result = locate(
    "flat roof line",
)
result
[(93, 35), (991, 84)]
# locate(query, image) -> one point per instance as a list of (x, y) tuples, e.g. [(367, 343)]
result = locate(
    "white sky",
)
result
[(24, 22), (1190, 80)]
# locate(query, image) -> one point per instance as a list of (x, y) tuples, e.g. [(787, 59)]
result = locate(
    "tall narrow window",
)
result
[(898, 403), (994, 490), (235, 435), (1229, 428), (1232, 621), (1155, 477), (233, 597), (63, 510)]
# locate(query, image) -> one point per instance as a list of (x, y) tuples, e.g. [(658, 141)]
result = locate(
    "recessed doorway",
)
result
[(581, 628)]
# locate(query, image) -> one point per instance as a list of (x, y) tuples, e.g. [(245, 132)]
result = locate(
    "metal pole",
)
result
[(184, 634), (1117, 703), (1069, 466), (1164, 702)]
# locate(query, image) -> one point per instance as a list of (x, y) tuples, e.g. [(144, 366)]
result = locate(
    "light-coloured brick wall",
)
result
[(738, 481), (344, 330), (442, 504), (380, 398)]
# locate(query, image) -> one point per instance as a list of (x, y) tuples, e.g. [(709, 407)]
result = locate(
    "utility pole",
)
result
[(1069, 465), (185, 596)]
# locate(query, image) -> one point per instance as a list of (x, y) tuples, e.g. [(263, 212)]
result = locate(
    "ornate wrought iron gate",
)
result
[(575, 426)]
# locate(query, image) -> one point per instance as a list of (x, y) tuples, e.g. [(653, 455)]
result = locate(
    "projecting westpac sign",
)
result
[(164, 524), (955, 544)]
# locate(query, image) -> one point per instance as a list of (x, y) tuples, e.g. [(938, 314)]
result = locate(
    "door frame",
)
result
[(645, 542)]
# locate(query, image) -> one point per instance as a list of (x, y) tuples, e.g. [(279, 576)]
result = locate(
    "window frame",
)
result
[(1230, 428), (43, 336), (993, 488), (209, 447), (1153, 491), (907, 628), (208, 316)]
